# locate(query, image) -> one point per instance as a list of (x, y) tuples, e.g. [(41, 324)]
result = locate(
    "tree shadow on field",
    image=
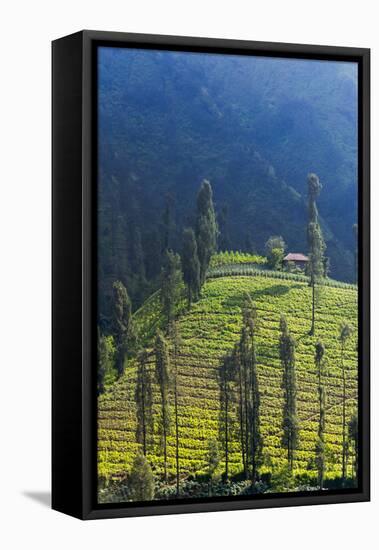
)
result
[(237, 298), (41, 497)]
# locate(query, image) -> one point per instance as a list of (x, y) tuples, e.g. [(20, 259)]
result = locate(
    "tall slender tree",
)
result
[(191, 265), (171, 278), (346, 330), (316, 243), (176, 341), (163, 375), (168, 222), (249, 396), (320, 445), (144, 401), (353, 441), (206, 228), (250, 320), (289, 385), (122, 324), (226, 378), (105, 360), (246, 404), (213, 461), (222, 219), (138, 255), (241, 399)]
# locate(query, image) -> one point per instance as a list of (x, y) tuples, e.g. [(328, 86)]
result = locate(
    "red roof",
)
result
[(296, 257)]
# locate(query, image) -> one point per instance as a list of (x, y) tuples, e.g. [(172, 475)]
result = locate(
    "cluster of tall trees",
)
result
[(238, 377), (114, 347), (198, 246), (239, 390), (239, 385), (239, 381), (164, 374), (290, 422), (200, 243)]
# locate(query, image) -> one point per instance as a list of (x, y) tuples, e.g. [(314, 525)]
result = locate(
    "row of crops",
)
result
[(250, 270), (208, 331)]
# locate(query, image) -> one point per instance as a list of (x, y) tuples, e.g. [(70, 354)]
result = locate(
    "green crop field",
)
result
[(208, 331)]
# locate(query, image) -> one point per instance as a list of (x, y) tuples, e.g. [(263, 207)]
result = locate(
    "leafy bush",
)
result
[(230, 258)]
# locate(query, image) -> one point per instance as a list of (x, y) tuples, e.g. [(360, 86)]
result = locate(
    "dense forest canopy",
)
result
[(253, 126)]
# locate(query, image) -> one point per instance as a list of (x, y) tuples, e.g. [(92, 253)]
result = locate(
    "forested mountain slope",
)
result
[(253, 127)]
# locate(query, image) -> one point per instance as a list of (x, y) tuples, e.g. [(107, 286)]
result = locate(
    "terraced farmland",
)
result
[(208, 331)]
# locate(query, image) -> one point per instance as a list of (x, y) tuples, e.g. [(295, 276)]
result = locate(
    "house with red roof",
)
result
[(300, 260)]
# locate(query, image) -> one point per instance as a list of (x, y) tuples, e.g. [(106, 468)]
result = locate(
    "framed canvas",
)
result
[(210, 275)]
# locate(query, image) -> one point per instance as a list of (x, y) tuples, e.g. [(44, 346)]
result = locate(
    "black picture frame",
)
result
[(74, 273)]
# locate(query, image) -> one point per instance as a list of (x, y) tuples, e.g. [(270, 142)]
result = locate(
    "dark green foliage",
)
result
[(320, 445), (168, 223), (141, 480), (190, 265), (353, 441), (275, 248), (144, 402), (105, 360), (176, 341), (326, 267), (101, 362), (213, 462), (177, 109), (226, 377), (289, 384), (283, 480), (122, 324), (346, 330), (213, 458), (106, 351), (163, 376), (171, 279), (245, 370), (316, 243), (206, 228), (223, 225), (139, 261), (275, 260)]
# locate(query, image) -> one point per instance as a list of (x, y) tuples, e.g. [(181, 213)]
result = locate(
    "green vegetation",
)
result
[(275, 247), (191, 265), (290, 421), (141, 479), (209, 332), (224, 372), (316, 243), (162, 366), (122, 324), (171, 278), (106, 352), (231, 258), (206, 228), (320, 445)]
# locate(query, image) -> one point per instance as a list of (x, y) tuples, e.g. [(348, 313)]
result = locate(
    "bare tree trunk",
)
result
[(343, 417), (226, 435), (241, 422), (312, 331), (177, 436), (247, 434), (164, 450)]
